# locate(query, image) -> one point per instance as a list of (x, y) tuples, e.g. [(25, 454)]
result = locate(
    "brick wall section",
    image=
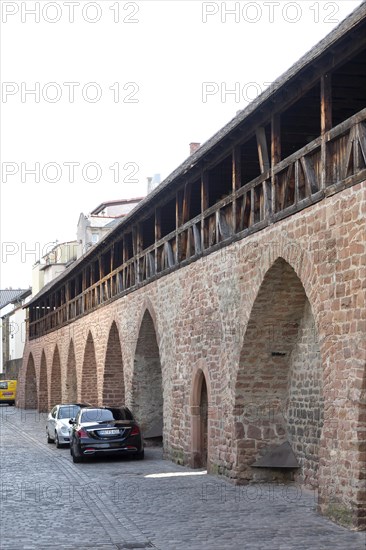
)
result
[(113, 379), (305, 407), (55, 382), (147, 388), (43, 405), (201, 314), (275, 369), (30, 401), (70, 394), (89, 374)]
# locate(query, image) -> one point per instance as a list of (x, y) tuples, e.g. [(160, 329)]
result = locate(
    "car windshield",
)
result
[(69, 411), (104, 415)]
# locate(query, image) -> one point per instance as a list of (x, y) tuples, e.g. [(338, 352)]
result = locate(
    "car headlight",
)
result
[(65, 430)]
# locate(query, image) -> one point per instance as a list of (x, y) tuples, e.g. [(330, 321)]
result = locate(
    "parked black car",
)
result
[(105, 430)]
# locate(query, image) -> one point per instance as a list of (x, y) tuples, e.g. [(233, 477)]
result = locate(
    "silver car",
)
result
[(58, 428)]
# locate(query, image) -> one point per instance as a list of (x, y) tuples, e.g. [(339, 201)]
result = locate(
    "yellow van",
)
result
[(8, 390)]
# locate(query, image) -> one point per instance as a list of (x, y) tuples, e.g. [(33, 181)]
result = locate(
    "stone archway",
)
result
[(43, 385), (55, 385), (89, 375), (279, 389), (31, 396), (199, 421), (113, 382), (71, 383), (147, 387)]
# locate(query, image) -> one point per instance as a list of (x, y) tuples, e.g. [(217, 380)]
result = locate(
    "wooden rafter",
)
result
[(262, 149), (309, 173)]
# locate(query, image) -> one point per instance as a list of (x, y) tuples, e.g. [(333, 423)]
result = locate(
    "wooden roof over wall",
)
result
[(349, 35)]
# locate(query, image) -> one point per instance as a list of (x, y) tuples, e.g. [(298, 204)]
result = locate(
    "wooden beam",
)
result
[(188, 243), (157, 224), (236, 168), (262, 149), (204, 191), (267, 202), (169, 254), (178, 210), (349, 153), (326, 102), (124, 250), (245, 213), (112, 257), (275, 157), (225, 229), (361, 137), (197, 240), (150, 265), (286, 185), (275, 139), (186, 202), (236, 182), (204, 203), (310, 177), (135, 240), (252, 205), (101, 274), (177, 223), (84, 285)]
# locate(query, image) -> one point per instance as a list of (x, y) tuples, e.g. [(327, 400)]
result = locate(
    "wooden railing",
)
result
[(336, 159)]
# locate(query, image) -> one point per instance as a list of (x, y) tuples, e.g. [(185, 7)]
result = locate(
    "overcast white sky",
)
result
[(145, 78)]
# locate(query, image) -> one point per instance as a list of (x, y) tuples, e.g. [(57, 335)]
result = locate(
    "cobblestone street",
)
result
[(49, 502)]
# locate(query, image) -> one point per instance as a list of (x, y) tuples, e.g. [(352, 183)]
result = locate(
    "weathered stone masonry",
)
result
[(275, 323)]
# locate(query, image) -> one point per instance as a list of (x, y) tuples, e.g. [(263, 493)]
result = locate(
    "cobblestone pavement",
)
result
[(49, 502)]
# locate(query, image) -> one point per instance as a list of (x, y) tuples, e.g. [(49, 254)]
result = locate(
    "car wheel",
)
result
[(76, 457), (49, 440), (140, 455), (57, 442)]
